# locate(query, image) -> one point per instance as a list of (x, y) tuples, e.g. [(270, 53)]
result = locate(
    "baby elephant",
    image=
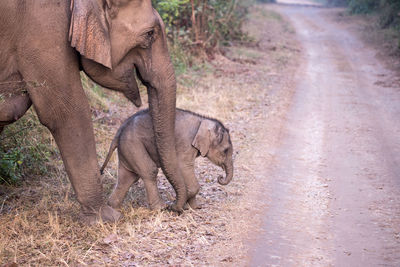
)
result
[(194, 135)]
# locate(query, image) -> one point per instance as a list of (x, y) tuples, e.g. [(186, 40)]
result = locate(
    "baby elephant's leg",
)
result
[(193, 203), (125, 179), (140, 161), (153, 195)]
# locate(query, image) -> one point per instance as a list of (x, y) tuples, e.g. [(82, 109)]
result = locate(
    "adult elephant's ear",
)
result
[(88, 31)]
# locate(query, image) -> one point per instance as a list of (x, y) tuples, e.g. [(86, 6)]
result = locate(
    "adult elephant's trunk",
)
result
[(155, 70), (162, 109), (161, 89), (228, 167)]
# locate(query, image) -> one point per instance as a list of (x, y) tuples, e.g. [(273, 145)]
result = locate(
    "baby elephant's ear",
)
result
[(89, 32), (202, 140)]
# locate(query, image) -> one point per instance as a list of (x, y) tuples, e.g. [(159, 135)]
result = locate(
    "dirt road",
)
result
[(333, 193)]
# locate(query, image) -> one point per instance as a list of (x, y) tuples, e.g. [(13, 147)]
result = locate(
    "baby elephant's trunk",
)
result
[(228, 167)]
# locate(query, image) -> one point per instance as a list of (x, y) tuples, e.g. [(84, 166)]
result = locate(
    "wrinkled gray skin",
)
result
[(43, 46), (195, 135)]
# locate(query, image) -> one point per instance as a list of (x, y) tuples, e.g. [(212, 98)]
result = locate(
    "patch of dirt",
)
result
[(249, 90)]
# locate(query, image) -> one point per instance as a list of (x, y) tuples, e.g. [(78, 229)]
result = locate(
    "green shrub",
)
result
[(202, 25), (389, 13), (180, 58), (362, 6), (10, 163), (25, 149), (387, 10), (337, 2), (171, 11)]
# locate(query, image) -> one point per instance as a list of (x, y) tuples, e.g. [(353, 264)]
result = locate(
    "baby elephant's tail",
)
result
[(113, 146)]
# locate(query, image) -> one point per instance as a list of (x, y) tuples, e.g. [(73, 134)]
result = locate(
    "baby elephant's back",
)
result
[(137, 133), (141, 125), (137, 137), (138, 126)]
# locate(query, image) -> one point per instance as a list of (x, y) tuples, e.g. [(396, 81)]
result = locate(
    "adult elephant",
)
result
[(43, 46)]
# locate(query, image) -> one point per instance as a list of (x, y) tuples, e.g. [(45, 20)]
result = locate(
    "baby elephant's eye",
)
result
[(226, 151), (150, 33)]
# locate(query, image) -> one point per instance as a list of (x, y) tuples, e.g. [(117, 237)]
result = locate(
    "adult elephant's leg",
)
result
[(61, 105), (191, 182)]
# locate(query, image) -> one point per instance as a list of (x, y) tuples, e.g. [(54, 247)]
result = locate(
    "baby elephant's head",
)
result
[(214, 142)]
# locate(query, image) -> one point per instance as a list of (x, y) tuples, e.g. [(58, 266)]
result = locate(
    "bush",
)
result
[(10, 163), (25, 149), (202, 25), (338, 2), (388, 10), (362, 6), (389, 13)]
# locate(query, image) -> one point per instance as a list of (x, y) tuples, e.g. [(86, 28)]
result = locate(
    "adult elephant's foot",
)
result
[(105, 214)]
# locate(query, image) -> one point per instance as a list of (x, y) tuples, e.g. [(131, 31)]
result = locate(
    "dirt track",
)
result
[(333, 190)]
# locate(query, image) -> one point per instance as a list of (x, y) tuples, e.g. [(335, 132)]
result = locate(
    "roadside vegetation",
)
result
[(387, 10), (197, 29), (378, 25), (26, 149), (384, 14)]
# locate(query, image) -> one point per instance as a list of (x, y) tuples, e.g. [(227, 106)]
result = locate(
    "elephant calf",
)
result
[(194, 134)]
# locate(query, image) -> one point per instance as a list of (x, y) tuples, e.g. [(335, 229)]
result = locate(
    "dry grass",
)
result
[(39, 220)]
